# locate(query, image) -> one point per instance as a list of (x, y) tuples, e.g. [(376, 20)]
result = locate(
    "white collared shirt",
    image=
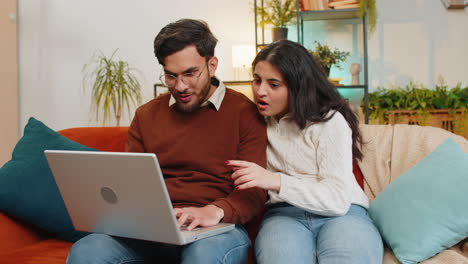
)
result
[(216, 98)]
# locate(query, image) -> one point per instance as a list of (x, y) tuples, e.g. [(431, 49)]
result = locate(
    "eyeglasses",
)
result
[(188, 78)]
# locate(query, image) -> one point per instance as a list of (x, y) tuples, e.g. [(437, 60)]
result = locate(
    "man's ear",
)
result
[(212, 65)]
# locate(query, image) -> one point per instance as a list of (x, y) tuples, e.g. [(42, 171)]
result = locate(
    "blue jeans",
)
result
[(229, 247), (291, 235)]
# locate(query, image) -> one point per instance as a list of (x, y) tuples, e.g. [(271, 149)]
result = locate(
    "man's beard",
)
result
[(197, 104)]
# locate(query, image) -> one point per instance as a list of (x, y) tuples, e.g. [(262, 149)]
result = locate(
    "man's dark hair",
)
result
[(184, 32), (311, 95)]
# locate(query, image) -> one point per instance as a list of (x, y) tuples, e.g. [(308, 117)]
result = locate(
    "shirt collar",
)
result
[(215, 99)]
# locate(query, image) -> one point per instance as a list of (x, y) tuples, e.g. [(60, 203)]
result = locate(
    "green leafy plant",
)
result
[(416, 97), (328, 57), (278, 13), (114, 86), (368, 7)]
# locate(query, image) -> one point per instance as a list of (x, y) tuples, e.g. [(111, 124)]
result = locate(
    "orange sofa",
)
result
[(22, 243)]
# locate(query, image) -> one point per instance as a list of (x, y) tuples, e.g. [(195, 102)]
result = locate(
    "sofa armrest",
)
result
[(14, 234)]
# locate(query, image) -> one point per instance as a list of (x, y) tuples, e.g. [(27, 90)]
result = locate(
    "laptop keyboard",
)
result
[(184, 228)]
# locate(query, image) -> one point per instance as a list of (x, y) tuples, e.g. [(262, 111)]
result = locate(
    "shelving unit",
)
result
[(259, 41), (322, 15), (339, 14)]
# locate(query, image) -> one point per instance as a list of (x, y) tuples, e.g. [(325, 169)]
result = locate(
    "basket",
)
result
[(455, 121)]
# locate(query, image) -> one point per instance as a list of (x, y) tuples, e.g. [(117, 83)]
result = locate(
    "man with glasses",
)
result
[(193, 130)]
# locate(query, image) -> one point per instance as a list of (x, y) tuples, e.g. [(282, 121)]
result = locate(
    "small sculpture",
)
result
[(355, 69)]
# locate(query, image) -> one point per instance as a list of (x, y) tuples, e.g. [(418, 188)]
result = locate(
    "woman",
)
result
[(317, 211)]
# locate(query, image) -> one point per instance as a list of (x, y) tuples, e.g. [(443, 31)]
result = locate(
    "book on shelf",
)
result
[(338, 3), (347, 6), (305, 5), (319, 5), (314, 5), (310, 5)]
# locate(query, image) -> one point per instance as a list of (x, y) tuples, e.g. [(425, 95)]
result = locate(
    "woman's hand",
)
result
[(248, 174)]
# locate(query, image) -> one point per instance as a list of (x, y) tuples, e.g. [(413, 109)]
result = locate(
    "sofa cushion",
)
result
[(14, 234), (27, 187), (102, 138), (50, 251), (424, 211)]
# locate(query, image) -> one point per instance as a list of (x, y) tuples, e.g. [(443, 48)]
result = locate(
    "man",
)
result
[(193, 130)]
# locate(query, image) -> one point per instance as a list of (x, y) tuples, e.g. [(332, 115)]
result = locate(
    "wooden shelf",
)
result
[(329, 14), (236, 83), (350, 86)]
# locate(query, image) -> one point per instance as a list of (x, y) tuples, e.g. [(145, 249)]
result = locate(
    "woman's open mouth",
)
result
[(262, 105)]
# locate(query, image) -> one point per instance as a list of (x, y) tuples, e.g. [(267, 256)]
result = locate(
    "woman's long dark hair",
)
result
[(311, 95)]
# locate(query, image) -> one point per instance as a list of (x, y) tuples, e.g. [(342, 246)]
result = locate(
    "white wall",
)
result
[(9, 105), (56, 38), (415, 40), (419, 40)]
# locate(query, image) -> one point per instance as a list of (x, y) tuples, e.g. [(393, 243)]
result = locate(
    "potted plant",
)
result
[(278, 13), (328, 57), (114, 86), (369, 8), (416, 104)]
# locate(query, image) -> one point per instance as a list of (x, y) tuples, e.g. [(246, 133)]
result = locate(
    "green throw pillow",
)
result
[(27, 187), (424, 210)]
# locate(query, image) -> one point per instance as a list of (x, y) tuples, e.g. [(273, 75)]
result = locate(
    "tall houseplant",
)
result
[(328, 57), (114, 86), (278, 13)]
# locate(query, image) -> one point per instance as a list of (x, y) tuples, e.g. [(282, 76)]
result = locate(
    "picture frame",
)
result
[(160, 88)]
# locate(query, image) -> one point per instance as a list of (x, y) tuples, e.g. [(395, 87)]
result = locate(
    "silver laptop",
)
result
[(120, 194)]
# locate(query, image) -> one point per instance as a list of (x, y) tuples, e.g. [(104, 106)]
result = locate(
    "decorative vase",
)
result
[(355, 69), (279, 33)]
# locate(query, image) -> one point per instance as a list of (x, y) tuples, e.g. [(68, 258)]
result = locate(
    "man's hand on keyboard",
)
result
[(208, 215)]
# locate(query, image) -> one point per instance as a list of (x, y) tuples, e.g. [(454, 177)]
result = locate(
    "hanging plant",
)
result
[(369, 8)]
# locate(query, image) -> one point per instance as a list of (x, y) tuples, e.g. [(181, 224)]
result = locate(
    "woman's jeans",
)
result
[(291, 235), (229, 247)]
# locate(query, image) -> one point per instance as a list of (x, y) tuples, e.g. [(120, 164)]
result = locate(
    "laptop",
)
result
[(120, 194)]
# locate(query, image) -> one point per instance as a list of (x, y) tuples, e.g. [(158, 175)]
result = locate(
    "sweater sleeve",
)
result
[(134, 138), (327, 194), (240, 206)]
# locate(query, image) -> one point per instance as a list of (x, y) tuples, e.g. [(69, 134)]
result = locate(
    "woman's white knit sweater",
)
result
[(315, 164)]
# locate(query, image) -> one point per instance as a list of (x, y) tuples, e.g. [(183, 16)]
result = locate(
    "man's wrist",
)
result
[(218, 211)]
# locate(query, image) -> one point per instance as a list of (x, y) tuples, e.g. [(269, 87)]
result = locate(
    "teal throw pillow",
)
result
[(425, 210), (27, 187)]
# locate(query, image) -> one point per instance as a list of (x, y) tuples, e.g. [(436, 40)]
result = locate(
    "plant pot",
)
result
[(279, 33)]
